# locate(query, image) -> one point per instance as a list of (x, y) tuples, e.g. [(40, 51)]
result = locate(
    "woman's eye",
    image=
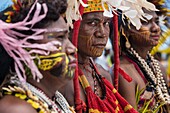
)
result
[(61, 37), (50, 36), (93, 23), (157, 22), (106, 23), (145, 22)]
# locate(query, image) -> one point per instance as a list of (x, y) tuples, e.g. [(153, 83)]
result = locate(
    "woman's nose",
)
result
[(70, 48), (155, 27), (100, 32)]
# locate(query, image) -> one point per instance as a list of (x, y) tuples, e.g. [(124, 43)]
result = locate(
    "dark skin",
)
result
[(142, 44), (93, 36), (50, 83)]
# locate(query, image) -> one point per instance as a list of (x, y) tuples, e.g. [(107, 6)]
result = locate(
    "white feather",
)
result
[(132, 9), (114, 3), (123, 8), (131, 13), (136, 22), (147, 16), (83, 4)]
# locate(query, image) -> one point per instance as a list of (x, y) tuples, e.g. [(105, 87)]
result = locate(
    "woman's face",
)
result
[(59, 63), (93, 34), (149, 33)]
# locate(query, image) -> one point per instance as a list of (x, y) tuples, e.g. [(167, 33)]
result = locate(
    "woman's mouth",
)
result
[(72, 64), (155, 37), (99, 45)]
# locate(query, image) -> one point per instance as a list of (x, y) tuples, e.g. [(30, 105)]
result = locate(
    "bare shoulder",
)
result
[(127, 89), (134, 72), (104, 73), (130, 69), (12, 104)]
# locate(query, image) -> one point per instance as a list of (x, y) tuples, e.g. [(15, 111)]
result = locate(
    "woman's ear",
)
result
[(126, 35)]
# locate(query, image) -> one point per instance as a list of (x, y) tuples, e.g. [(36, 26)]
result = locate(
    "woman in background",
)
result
[(148, 85)]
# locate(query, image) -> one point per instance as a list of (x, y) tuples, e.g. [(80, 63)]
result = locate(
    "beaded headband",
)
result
[(95, 6)]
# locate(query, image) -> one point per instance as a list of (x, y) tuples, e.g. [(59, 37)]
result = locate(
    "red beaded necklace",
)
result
[(97, 78)]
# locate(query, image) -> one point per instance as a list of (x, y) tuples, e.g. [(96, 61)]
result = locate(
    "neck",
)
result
[(48, 84), (142, 51), (83, 59)]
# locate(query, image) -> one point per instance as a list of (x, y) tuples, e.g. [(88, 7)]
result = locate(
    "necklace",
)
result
[(43, 97), (92, 72), (98, 82), (153, 71), (59, 105), (59, 98), (44, 103), (95, 83)]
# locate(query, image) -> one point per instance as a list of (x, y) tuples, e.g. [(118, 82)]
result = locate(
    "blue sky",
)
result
[(4, 4)]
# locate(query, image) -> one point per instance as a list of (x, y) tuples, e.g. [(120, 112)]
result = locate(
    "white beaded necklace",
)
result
[(157, 77), (44, 98), (62, 107)]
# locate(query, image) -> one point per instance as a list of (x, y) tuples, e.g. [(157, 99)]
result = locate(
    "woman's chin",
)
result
[(70, 73), (155, 43)]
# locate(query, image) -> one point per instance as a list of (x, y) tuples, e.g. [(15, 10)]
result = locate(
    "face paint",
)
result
[(57, 64), (66, 65), (91, 49), (140, 38), (149, 33), (93, 34), (64, 70), (48, 62), (140, 34), (68, 71)]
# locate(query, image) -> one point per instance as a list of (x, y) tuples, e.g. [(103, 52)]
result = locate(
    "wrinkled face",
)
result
[(62, 62), (93, 34), (149, 33)]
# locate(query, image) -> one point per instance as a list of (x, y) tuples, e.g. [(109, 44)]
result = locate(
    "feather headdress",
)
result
[(132, 9)]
